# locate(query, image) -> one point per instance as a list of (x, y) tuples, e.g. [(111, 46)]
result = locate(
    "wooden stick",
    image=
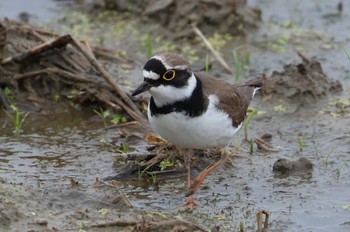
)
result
[(110, 80), (175, 222), (210, 47), (75, 77), (60, 41), (56, 42), (115, 223), (125, 199)]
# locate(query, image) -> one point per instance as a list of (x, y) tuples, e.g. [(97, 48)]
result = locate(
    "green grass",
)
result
[(103, 114), (118, 118), (247, 121), (149, 46), (241, 226), (238, 191), (347, 54), (300, 141), (165, 164), (238, 65), (17, 119), (207, 64), (123, 149), (251, 146), (154, 178), (103, 141), (339, 168), (326, 160), (8, 94)]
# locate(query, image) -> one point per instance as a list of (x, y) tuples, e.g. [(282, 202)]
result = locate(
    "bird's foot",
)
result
[(190, 204)]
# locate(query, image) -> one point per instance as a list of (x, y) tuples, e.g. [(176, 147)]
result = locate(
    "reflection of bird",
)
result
[(193, 110)]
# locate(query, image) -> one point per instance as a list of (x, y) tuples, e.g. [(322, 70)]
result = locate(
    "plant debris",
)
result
[(44, 65)]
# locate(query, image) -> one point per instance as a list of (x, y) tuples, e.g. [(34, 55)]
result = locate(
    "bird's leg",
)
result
[(187, 158), (262, 226), (201, 176)]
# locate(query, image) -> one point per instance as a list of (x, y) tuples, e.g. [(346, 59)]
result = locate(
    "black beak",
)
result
[(142, 88)]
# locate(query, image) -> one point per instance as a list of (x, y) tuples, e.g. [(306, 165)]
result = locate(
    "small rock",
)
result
[(285, 166), (41, 222)]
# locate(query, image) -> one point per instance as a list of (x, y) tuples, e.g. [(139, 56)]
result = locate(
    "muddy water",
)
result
[(49, 172), (38, 11)]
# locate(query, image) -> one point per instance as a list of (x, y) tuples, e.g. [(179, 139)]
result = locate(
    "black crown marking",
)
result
[(155, 66)]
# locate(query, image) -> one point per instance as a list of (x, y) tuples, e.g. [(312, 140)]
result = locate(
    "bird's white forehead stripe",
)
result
[(167, 67), (181, 67), (150, 75)]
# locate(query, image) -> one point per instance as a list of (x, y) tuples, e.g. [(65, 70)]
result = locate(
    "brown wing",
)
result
[(234, 99)]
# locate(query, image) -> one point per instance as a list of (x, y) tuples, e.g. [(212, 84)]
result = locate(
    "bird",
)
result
[(193, 110)]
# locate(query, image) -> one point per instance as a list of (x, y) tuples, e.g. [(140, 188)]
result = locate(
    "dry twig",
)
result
[(210, 47), (76, 68)]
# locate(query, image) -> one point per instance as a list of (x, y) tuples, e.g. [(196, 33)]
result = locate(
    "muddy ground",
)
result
[(50, 175)]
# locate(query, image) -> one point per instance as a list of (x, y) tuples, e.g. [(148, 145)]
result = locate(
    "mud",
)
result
[(303, 83), (48, 172), (177, 16), (289, 167)]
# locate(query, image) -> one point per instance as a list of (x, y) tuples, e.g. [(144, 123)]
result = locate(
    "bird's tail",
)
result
[(256, 83), (249, 88)]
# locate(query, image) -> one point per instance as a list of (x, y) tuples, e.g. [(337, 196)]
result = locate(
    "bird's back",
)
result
[(234, 99)]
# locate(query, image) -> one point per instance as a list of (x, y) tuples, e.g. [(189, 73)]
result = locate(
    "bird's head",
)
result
[(168, 78)]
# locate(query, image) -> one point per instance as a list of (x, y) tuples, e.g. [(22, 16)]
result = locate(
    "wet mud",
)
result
[(303, 83), (53, 173)]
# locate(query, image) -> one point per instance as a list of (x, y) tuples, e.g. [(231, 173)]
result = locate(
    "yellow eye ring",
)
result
[(169, 75)]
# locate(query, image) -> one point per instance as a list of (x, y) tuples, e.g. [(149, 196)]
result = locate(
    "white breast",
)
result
[(211, 129)]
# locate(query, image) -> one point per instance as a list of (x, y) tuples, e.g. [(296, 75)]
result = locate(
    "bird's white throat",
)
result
[(168, 94)]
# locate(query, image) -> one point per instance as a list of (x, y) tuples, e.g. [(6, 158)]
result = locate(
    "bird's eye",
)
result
[(169, 75)]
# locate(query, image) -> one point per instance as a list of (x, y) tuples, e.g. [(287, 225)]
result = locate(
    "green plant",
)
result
[(238, 65), (103, 141), (154, 178), (17, 119), (238, 140), (339, 168), (346, 52), (301, 141), (238, 191), (123, 149), (74, 93), (118, 118), (149, 46), (251, 146), (8, 94), (165, 164), (207, 64), (56, 98), (241, 226), (247, 121), (103, 114), (326, 160), (140, 173)]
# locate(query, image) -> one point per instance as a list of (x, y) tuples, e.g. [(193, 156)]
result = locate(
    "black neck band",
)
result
[(193, 106)]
